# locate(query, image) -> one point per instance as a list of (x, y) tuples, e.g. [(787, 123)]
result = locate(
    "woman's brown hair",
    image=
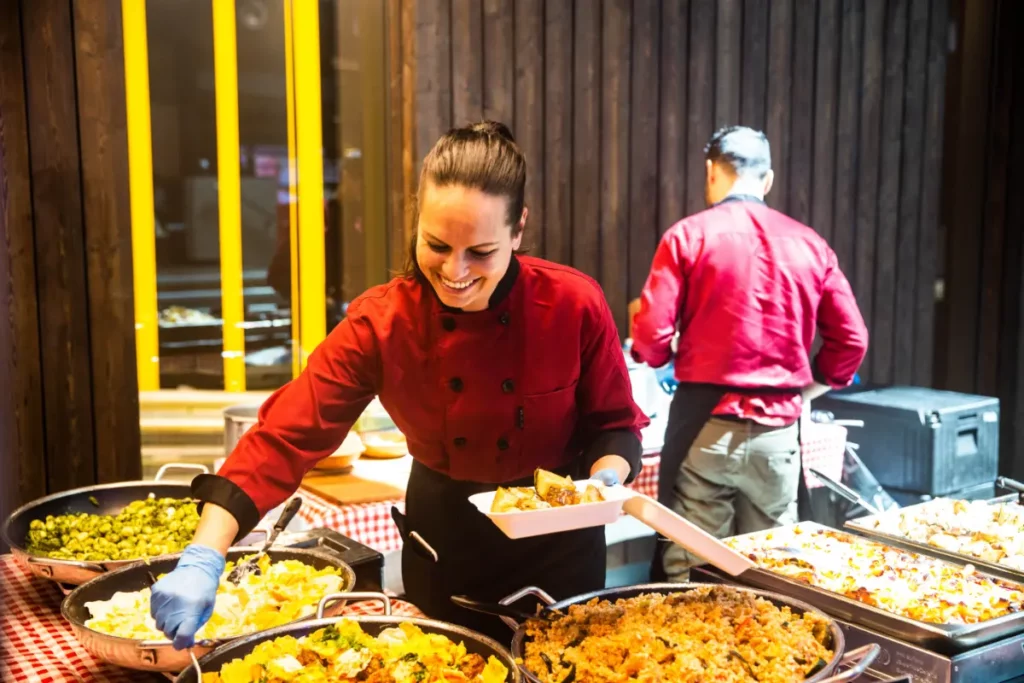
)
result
[(483, 156)]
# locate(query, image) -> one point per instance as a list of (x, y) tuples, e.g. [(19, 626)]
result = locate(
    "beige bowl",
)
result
[(389, 444), (345, 456)]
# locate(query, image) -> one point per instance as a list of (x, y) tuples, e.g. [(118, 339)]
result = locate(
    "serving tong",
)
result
[(251, 566)]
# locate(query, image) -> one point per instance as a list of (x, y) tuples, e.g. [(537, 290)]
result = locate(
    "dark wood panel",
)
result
[(931, 181), (586, 169), (826, 90), (615, 155), (22, 437), (847, 132), (729, 62), (558, 131), (99, 59), (467, 71), (1009, 103), (801, 142), (780, 90), (529, 110), (969, 172), (672, 83), (433, 74), (700, 104), (60, 249), (909, 226), (644, 224), (755, 64), (499, 60), (872, 84), (889, 190)]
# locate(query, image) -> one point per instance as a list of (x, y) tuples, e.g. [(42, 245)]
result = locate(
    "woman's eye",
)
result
[(482, 254), (438, 248)]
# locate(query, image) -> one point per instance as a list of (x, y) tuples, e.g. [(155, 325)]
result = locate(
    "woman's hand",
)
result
[(182, 601), (610, 470)]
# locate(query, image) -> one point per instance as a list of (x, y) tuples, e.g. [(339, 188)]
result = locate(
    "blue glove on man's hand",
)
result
[(607, 476), (182, 601), (666, 375)]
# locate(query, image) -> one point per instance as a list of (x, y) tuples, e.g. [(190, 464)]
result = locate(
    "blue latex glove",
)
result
[(182, 601), (607, 476), (666, 375)]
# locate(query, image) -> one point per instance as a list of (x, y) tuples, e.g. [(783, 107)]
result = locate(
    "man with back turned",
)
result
[(745, 288)]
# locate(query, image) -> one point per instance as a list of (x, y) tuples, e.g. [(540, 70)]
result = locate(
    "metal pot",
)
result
[(160, 655), (473, 641), (857, 660), (109, 499), (237, 421)]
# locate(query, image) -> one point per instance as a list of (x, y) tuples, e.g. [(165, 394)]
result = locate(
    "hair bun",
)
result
[(493, 128)]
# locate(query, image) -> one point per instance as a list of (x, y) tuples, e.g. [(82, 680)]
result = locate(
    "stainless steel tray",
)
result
[(861, 526), (942, 638)]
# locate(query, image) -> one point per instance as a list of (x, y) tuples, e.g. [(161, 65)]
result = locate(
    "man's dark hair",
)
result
[(744, 150)]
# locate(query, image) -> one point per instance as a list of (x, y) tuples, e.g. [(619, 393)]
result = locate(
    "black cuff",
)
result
[(211, 488), (620, 442), (817, 374)]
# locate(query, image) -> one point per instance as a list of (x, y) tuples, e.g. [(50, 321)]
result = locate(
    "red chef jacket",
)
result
[(536, 380), (747, 287)]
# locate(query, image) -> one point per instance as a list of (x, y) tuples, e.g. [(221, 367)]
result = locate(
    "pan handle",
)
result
[(179, 466), (45, 568), (861, 658), (334, 597), (529, 591), (1010, 484)]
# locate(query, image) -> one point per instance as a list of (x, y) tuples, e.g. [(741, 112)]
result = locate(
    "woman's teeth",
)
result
[(456, 285)]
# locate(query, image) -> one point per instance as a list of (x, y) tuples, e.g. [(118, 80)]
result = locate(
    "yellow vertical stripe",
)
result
[(293, 209), (140, 183), (229, 183), (312, 283)]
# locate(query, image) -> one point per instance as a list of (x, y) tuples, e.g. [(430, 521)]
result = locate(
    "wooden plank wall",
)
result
[(67, 238), (981, 320), (613, 101)]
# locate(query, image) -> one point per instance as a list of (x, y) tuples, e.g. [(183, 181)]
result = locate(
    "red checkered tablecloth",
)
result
[(823, 447), (38, 646)]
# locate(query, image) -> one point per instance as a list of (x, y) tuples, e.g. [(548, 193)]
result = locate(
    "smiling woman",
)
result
[(492, 365), (472, 214)]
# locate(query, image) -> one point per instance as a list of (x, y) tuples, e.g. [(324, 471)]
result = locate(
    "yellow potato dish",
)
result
[(344, 652), (549, 491)]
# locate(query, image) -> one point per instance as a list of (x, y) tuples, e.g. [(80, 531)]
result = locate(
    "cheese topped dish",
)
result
[(281, 593), (921, 588), (992, 533), (344, 652)]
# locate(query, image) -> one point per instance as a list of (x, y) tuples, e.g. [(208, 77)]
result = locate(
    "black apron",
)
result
[(476, 559), (692, 406)]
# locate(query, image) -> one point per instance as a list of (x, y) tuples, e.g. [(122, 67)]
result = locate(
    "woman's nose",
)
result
[(455, 267)]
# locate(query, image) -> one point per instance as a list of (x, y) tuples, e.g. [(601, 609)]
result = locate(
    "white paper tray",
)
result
[(618, 500)]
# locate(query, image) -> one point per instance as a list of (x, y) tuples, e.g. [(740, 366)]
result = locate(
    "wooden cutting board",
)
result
[(370, 481)]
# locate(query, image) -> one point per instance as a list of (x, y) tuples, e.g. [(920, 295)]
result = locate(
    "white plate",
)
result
[(526, 523)]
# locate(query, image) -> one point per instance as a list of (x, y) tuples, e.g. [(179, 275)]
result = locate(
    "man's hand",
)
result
[(634, 308)]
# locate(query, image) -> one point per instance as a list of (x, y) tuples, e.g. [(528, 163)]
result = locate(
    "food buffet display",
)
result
[(925, 604)]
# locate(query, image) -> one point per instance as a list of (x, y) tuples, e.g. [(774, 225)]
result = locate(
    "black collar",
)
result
[(740, 198), (500, 293)]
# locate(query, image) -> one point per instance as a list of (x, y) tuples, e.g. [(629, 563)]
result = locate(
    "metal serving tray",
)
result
[(862, 526), (942, 638)]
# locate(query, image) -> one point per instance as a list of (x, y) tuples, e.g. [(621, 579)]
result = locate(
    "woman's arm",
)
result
[(299, 425), (610, 419)]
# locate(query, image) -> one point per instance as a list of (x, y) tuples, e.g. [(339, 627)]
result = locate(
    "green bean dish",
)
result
[(145, 528)]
